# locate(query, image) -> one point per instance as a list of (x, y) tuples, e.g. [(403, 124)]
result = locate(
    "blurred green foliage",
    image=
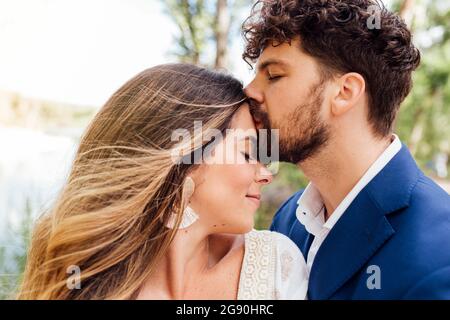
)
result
[(13, 253), (198, 28), (424, 119)]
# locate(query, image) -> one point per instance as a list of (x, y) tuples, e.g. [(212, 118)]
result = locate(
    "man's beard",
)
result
[(302, 134)]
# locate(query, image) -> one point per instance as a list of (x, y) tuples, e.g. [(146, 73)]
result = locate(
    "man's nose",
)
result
[(253, 92)]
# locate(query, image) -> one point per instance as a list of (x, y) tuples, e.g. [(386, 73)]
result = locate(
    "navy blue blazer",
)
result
[(393, 242)]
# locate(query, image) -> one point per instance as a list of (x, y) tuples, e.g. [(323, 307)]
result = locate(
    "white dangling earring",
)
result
[(189, 215)]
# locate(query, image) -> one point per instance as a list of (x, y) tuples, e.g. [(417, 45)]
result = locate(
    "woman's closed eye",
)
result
[(248, 157), (249, 151)]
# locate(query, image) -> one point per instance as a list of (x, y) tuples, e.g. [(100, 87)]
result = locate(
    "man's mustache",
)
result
[(257, 113)]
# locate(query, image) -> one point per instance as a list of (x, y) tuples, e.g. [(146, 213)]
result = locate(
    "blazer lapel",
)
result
[(363, 228), (301, 237), (353, 240)]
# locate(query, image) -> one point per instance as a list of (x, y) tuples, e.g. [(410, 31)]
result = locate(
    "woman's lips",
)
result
[(255, 198)]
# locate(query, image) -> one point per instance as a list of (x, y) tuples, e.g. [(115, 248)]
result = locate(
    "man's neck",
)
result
[(337, 168)]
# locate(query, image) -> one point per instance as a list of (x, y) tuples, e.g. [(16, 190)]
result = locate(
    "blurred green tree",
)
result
[(424, 118), (204, 29), (13, 253)]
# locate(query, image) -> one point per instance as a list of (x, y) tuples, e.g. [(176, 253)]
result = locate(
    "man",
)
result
[(331, 78)]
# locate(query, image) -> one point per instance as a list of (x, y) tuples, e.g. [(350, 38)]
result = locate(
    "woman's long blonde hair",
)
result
[(108, 220)]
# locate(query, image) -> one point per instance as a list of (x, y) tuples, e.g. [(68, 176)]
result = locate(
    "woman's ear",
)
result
[(188, 187), (195, 176), (349, 91)]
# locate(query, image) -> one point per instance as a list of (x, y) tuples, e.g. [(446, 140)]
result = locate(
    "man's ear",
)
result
[(350, 88)]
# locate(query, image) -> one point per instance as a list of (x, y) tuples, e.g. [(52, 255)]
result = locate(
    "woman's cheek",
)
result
[(246, 172)]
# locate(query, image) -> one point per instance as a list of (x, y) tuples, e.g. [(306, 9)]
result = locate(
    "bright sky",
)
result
[(81, 51)]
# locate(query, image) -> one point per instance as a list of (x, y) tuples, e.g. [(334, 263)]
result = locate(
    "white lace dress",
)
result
[(273, 268)]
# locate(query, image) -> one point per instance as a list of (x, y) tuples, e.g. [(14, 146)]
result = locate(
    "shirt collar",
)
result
[(310, 210)]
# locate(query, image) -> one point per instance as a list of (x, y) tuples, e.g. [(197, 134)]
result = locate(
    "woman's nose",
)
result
[(264, 176)]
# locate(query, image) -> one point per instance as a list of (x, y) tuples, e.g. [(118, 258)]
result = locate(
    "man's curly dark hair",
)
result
[(338, 34)]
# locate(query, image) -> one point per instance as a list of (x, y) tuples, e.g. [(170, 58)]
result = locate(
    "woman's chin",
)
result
[(248, 225), (242, 228)]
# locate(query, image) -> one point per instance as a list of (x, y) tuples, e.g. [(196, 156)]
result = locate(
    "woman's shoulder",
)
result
[(291, 272), (272, 237), (273, 243), (271, 262)]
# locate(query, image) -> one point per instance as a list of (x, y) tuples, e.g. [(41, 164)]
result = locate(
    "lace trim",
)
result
[(257, 279), (286, 265)]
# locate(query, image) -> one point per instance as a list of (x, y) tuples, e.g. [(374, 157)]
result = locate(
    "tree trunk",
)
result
[(189, 18), (407, 12), (222, 30), (416, 132)]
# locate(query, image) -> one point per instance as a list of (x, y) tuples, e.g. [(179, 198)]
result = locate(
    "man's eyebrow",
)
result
[(263, 65)]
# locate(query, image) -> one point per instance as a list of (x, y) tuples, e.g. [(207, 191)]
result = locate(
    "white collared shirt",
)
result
[(311, 209)]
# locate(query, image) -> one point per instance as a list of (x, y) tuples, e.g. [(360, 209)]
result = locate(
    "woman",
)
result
[(140, 222)]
